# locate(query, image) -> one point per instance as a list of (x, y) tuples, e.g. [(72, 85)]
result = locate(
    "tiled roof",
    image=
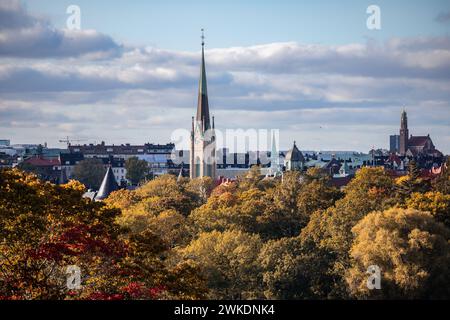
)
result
[(418, 141), (41, 162)]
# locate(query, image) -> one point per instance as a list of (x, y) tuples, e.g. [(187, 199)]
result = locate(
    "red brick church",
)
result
[(412, 146)]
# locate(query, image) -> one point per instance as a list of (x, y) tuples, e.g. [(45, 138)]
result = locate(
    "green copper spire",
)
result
[(202, 106)]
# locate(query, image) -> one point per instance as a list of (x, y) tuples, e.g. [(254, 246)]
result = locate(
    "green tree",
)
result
[(412, 251), (136, 170), (89, 172)]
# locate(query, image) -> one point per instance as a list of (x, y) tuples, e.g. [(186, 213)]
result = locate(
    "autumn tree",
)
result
[(330, 229), (165, 193), (89, 172), (437, 203), (412, 251), (230, 209), (410, 183), (199, 189), (122, 199), (282, 218), (442, 183), (45, 228), (252, 179), (161, 206), (371, 189), (228, 260), (136, 170), (315, 194), (291, 271), (170, 226)]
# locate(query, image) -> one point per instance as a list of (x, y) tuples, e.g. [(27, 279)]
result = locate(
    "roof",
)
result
[(71, 158), (294, 154), (340, 182), (108, 185), (103, 149), (418, 141), (333, 163), (41, 162), (394, 158), (112, 161)]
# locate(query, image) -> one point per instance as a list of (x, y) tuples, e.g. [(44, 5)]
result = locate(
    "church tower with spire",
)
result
[(203, 140), (404, 133)]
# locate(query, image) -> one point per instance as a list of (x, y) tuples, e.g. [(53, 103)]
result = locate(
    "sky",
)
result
[(311, 69)]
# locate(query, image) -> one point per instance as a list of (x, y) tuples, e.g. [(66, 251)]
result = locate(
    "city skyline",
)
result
[(346, 95)]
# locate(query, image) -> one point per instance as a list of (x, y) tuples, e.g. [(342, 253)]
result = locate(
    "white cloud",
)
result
[(325, 97), (27, 36)]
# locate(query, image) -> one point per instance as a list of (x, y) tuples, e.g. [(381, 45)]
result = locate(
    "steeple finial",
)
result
[(203, 37)]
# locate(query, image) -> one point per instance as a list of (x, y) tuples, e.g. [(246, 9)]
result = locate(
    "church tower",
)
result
[(404, 133), (203, 140)]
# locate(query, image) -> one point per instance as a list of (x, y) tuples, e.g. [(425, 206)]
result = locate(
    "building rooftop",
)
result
[(294, 154)]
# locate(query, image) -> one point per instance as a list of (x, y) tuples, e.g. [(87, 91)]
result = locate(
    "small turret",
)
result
[(108, 185)]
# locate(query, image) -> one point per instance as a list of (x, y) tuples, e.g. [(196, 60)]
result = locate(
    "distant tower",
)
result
[(294, 159), (404, 133), (275, 168), (203, 140)]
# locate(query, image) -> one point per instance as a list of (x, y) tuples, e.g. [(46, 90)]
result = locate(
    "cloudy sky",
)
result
[(314, 71)]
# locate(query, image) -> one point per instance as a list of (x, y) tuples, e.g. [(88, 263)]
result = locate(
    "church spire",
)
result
[(202, 106), (404, 120), (404, 133)]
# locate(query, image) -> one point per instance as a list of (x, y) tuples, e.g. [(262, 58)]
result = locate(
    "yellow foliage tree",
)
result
[(411, 250), (437, 203), (229, 262)]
